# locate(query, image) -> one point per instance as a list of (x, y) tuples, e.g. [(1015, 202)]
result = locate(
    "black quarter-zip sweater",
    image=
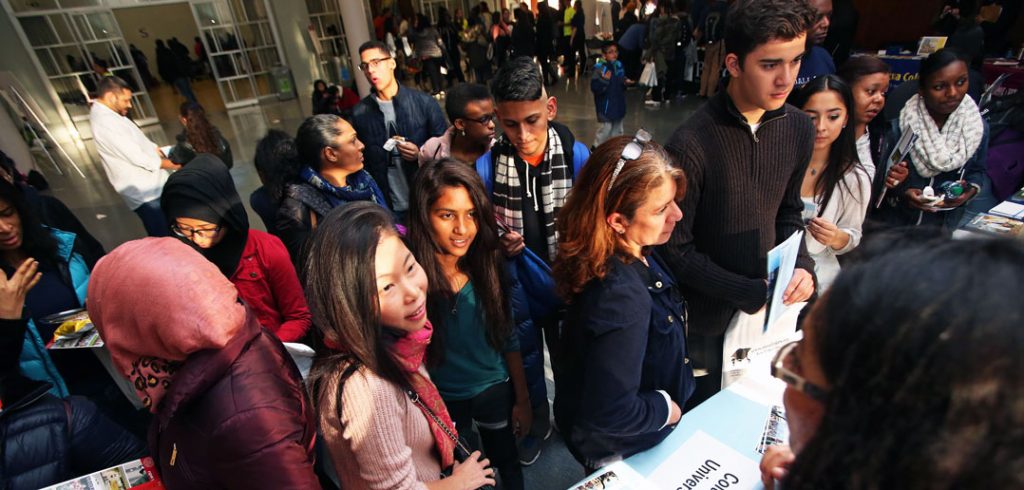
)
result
[(742, 199)]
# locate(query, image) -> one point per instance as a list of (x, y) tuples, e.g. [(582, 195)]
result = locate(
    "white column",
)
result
[(356, 19)]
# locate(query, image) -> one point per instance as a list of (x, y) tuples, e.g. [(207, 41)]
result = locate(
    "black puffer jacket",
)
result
[(45, 440)]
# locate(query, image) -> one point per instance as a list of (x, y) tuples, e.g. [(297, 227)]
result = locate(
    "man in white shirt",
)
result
[(135, 166)]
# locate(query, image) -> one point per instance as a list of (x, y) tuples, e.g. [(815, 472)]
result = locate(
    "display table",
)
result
[(727, 428), (992, 68)]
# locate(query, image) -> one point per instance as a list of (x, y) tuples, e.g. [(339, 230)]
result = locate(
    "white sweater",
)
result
[(846, 209)]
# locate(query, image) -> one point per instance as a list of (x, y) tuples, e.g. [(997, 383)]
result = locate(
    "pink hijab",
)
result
[(155, 301)]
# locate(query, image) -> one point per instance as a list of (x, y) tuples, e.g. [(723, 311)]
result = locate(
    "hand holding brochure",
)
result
[(781, 265), (899, 152)]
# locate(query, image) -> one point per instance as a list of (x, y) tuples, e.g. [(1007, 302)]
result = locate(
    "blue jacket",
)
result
[(624, 351), (35, 361), (895, 210), (817, 62), (530, 347), (610, 94), (419, 118)]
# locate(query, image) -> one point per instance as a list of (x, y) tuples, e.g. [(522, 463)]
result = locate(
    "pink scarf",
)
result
[(155, 301), (409, 351)]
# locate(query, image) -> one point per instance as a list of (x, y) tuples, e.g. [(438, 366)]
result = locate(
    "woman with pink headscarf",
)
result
[(230, 410)]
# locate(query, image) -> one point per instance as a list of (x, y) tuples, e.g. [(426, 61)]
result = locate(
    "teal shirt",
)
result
[(470, 364)]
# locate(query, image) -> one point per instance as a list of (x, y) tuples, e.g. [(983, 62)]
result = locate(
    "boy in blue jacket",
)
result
[(609, 87)]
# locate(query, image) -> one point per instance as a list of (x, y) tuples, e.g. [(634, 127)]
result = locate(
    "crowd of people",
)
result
[(432, 262)]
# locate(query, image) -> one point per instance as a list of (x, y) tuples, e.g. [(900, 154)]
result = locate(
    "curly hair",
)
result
[(585, 240), (925, 377), (198, 131), (36, 240)]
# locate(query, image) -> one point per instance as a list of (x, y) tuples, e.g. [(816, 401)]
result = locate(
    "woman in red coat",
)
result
[(228, 403), (204, 210)]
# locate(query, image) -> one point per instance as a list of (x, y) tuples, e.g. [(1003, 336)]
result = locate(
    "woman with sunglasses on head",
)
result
[(470, 108), (836, 186), (205, 212), (625, 374), (889, 388), (474, 357), (381, 416), (947, 162)]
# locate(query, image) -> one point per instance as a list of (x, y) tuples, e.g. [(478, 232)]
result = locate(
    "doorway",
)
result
[(173, 27)]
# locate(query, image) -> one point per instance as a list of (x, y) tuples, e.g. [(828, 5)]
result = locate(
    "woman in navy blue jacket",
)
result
[(624, 373)]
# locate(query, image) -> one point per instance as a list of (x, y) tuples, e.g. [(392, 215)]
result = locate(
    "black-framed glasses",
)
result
[(191, 233), (632, 151), (781, 368), (372, 63), (484, 120)]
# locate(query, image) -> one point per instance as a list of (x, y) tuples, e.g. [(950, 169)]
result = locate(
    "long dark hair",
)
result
[(483, 263), (198, 130), (36, 240), (925, 380), (341, 289), (277, 162), (842, 156)]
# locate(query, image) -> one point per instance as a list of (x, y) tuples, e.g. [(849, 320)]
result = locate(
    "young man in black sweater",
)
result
[(744, 153)]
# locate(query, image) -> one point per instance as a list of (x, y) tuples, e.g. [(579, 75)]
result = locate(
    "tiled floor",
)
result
[(105, 215)]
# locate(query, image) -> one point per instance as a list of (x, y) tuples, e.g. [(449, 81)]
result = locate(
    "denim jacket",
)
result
[(625, 356)]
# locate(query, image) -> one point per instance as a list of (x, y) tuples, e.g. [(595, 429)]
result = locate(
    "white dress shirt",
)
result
[(129, 157)]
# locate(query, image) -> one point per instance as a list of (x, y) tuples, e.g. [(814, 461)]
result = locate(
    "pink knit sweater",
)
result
[(383, 441)]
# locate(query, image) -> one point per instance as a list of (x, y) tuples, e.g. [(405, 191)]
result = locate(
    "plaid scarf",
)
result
[(552, 183)]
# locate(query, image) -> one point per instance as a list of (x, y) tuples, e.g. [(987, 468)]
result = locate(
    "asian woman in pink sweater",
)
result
[(381, 416)]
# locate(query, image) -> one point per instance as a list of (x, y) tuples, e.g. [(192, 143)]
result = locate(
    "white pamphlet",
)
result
[(704, 463)]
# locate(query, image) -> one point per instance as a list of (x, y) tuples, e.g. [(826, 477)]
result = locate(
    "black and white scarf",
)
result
[(942, 150), (554, 181)]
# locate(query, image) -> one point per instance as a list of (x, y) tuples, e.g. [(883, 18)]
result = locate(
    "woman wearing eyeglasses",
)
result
[(625, 374), (203, 207), (470, 108), (912, 387)]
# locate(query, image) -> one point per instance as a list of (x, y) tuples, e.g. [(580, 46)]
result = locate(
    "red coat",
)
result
[(267, 282), (236, 417)]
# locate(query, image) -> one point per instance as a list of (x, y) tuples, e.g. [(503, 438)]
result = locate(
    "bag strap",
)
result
[(312, 219), (415, 397)]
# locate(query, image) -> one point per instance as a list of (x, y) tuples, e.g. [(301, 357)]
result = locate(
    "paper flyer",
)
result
[(705, 463), (139, 474), (616, 476), (899, 152), (781, 263)]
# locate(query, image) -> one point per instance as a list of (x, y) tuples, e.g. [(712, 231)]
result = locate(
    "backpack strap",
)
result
[(485, 167)]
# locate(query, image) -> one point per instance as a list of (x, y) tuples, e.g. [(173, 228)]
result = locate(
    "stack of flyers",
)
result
[(776, 430), (139, 474)]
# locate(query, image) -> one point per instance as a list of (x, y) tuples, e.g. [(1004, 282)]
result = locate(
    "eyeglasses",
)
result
[(191, 233), (373, 63), (484, 120), (782, 368), (631, 152)]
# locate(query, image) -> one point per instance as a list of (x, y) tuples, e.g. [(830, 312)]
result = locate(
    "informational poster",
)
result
[(705, 463)]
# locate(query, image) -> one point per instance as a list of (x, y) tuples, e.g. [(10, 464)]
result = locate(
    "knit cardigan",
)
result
[(742, 199), (382, 441)]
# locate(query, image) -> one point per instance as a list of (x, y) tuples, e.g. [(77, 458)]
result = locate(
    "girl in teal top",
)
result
[(474, 357)]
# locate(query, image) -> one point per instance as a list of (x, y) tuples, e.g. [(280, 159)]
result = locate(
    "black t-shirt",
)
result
[(534, 234)]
